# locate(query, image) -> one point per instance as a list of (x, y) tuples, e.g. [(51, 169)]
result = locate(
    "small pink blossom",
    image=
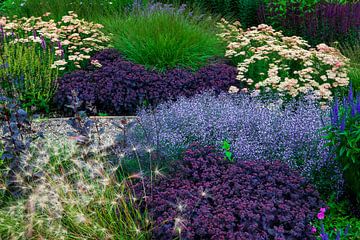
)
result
[(313, 230), (321, 214)]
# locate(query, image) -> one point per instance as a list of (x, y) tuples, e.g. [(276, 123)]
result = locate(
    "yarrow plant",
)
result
[(73, 39), (269, 61)]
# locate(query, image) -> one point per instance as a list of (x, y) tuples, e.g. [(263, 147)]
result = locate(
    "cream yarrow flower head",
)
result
[(69, 35), (268, 60)]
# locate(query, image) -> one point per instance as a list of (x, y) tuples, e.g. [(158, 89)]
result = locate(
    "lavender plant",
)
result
[(257, 128)]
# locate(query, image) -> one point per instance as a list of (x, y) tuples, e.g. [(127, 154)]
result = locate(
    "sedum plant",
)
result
[(207, 197), (269, 61), (27, 74)]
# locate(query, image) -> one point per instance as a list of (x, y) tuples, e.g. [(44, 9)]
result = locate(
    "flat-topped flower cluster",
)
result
[(269, 61), (72, 39)]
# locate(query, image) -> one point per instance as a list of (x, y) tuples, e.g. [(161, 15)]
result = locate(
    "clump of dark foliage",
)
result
[(208, 197), (120, 86), (16, 138)]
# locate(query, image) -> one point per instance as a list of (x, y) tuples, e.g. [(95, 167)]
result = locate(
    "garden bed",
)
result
[(209, 126)]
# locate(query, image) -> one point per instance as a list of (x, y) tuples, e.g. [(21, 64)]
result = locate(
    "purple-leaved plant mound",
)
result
[(120, 86), (207, 197)]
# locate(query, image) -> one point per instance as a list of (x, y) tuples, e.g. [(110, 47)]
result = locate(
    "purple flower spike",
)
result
[(342, 126), (358, 103), (34, 34), (59, 45), (43, 43), (335, 113), (351, 101), (323, 235), (2, 31)]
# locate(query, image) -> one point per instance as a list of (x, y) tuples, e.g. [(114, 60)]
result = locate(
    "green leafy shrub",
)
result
[(164, 39), (26, 74), (344, 139)]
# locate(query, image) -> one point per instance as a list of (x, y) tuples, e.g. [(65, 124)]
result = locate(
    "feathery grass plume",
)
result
[(82, 198)]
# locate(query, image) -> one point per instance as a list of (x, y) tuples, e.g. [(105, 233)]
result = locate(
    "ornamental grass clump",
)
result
[(162, 38), (72, 194), (206, 197), (74, 40), (269, 61)]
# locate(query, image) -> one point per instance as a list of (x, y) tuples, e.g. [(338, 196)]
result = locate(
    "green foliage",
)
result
[(243, 10), (352, 50), (87, 9), (163, 40), (338, 216), (281, 6), (26, 74), (345, 142), (354, 75), (228, 154)]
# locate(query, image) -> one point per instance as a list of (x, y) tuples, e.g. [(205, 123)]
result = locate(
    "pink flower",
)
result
[(313, 230), (321, 214)]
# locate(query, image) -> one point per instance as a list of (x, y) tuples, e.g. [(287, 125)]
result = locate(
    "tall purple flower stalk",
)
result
[(61, 48), (43, 42), (326, 22), (335, 113)]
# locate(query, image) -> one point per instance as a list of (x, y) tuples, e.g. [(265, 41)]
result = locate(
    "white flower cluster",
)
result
[(269, 61), (73, 39)]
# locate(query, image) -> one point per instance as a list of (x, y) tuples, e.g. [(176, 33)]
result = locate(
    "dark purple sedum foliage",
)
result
[(207, 197), (120, 86)]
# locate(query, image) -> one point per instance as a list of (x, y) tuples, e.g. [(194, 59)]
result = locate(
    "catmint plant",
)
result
[(258, 129)]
